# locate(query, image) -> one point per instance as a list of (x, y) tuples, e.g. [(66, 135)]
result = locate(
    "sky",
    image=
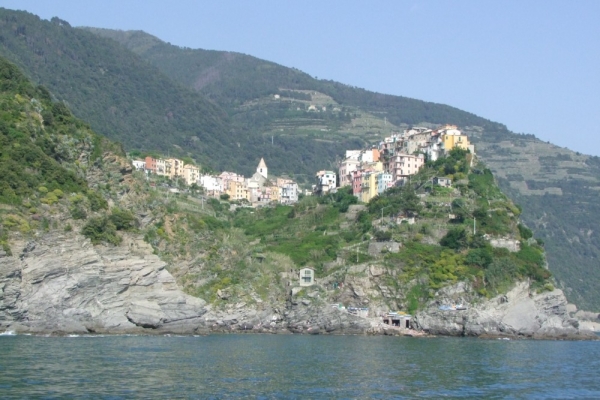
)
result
[(531, 65)]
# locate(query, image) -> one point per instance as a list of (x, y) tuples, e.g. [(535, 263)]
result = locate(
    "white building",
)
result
[(307, 277), (212, 184), (346, 168), (384, 182), (139, 165), (288, 193), (326, 182)]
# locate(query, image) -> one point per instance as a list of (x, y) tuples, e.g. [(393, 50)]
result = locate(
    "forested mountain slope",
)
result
[(119, 94)]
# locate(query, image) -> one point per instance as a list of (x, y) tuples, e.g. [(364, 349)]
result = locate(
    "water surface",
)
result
[(291, 366)]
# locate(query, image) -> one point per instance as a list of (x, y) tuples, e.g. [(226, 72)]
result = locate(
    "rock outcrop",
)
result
[(61, 283), (519, 313)]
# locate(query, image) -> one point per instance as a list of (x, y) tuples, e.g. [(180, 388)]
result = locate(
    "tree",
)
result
[(456, 239), (411, 203)]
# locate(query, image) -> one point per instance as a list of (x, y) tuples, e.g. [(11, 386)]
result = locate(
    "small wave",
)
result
[(8, 333)]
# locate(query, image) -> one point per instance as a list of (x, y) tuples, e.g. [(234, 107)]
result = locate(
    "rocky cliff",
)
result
[(521, 312), (60, 283)]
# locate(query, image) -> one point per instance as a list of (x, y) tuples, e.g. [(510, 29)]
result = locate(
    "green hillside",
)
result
[(60, 176), (153, 107), (556, 187), (119, 94)]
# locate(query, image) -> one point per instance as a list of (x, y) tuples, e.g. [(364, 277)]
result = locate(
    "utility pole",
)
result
[(474, 229)]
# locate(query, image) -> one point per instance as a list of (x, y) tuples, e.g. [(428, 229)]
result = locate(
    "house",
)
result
[(368, 186), (175, 168), (228, 177), (150, 164), (346, 168), (326, 182), (451, 137), (357, 182), (191, 174), (237, 190), (404, 165), (444, 182), (288, 191), (307, 277), (139, 165), (162, 167), (212, 184), (384, 181)]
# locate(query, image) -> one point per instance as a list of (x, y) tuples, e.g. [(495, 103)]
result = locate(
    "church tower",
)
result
[(262, 168)]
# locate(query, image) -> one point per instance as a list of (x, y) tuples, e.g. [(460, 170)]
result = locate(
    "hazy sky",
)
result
[(532, 65)]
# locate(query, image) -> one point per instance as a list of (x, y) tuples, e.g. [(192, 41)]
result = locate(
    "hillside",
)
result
[(90, 246), (116, 92), (556, 187), (125, 98)]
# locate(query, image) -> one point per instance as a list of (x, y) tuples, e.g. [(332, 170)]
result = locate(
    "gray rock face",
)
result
[(60, 283), (322, 319), (519, 313)]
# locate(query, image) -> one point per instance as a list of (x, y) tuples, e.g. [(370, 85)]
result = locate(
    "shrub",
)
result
[(456, 238), (525, 232), (383, 236), (123, 220), (78, 213), (101, 229), (97, 202), (481, 257)]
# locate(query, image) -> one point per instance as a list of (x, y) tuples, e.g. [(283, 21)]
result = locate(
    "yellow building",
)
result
[(368, 186), (376, 166), (237, 191), (175, 167), (452, 138), (275, 193), (191, 174)]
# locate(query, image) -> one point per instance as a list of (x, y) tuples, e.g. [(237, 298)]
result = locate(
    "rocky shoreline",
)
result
[(61, 284)]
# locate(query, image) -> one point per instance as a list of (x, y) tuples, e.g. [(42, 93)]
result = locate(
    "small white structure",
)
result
[(442, 181), (307, 277), (139, 165)]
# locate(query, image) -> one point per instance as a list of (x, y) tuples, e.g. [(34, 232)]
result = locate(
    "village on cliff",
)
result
[(369, 171)]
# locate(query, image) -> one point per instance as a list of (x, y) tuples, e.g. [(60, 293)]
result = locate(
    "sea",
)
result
[(254, 366)]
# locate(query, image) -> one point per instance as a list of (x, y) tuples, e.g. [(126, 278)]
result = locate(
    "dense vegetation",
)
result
[(45, 153), (120, 95)]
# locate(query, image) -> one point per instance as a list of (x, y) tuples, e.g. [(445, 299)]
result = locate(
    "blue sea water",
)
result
[(296, 367)]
